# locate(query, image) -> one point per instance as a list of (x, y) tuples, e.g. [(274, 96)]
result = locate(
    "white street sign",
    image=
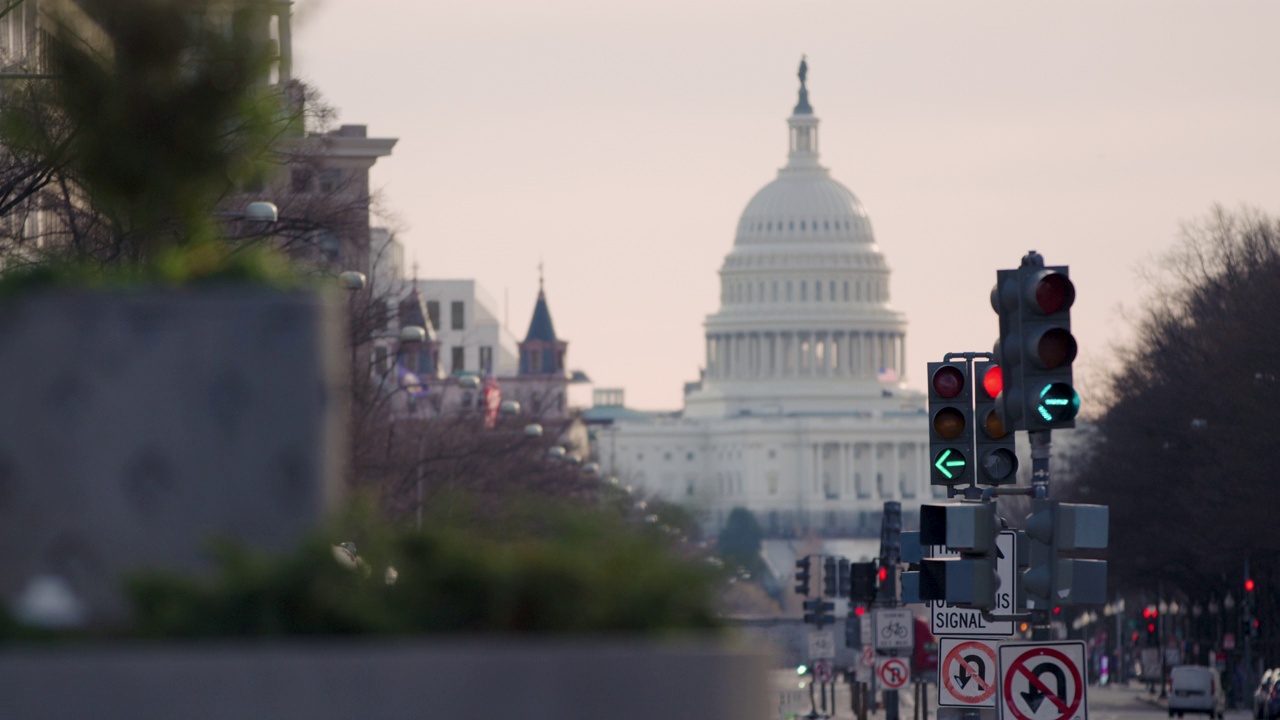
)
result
[(892, 629), (1043, 681), (892, 672), (967, 672), (945, 620), (822, 644)]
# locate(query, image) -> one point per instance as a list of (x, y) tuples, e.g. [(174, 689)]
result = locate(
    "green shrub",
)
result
[(538, 570)]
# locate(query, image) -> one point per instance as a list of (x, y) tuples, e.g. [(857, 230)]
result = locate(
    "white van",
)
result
[(1197, 689)]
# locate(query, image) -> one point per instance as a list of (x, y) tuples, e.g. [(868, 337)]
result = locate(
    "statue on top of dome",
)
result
[(803, 107)]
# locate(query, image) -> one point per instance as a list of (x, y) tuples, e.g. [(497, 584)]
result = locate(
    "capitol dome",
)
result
[(805, 322), (804, 204)]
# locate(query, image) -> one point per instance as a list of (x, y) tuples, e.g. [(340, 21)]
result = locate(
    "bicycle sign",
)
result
[(892, 629)]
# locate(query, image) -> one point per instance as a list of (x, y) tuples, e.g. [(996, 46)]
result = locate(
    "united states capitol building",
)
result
[(801, 414)]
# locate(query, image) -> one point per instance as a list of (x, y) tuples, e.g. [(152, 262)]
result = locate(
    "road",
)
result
[(1131, 702)]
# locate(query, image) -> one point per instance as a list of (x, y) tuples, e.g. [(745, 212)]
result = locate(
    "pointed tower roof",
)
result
[(413, 309), (541, 327)]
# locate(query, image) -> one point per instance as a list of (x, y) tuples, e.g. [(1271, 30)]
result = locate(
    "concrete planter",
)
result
[(455, 679), (135, 426)]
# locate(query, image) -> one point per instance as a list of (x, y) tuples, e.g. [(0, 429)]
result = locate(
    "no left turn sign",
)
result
[(893, 673), (1043, 681), (968, 671)]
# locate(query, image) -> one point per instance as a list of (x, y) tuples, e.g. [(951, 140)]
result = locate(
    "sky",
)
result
[(618, 142)]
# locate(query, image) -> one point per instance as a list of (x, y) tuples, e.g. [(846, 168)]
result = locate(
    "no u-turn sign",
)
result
[(1043, 681)]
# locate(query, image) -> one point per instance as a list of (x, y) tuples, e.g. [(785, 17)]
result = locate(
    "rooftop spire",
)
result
[(803, 107)]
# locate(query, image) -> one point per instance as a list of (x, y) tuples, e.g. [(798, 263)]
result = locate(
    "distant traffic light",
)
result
[(844, 579), (950, 422), (1248, 584), (829, 585), (862, 582), (803, 566), (995, 459), (819, 612), (1036, 348)]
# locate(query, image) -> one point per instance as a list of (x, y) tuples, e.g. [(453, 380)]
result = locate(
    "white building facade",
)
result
[(801, 414), (472, 337)]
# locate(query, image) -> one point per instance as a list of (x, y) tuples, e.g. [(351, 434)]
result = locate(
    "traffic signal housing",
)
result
[(1036, 348), (950, 422), (819, 612), (995, 458), (829, 586), (1054, 527), (803, 566), (844, 578), (970, 529), (862, 582)]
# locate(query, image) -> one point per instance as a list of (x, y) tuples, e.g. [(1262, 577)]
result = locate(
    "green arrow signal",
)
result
[(945, 463)]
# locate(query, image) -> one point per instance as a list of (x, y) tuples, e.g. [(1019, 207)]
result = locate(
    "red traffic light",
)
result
[(1248, 585), (859, 611), (993, 381), (948, 382), (884, 574), (1151, 627)]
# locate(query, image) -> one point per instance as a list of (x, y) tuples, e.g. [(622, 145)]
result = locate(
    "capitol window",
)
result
[(802, 225), (846, 291), (832, 288), (817, 291), (788, 291), (804, 291)]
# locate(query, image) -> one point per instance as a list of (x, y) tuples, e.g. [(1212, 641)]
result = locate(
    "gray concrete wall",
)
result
[(135, 426), (445, 679)]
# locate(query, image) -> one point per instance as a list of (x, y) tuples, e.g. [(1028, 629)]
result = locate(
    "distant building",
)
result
[(467, 320), (466, 338), (801, 415)]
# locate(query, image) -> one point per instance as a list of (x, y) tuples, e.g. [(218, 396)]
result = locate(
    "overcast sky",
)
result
[(619, 142)]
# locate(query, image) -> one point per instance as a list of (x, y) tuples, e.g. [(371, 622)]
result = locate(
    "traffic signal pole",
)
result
[(1040, 442), (890, 556)]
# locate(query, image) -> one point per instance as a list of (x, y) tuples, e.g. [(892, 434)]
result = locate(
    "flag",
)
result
[(492, 400), (887, 375), (410, 382)]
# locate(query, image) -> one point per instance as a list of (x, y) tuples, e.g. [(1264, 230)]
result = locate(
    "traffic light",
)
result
[(1053, 527), (853, 629), (970, 580), (995, 460), (844, 578), (1150, 615), (1036, 347), (819, 612), (950, 422), (1248, 585), (862, 582), (829, 586), (802, 575)]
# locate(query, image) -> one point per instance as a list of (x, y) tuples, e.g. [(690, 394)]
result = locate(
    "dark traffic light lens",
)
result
[(948, 423), (1000, 464), (1058, 402), (992, 426), (948, 381), (1054, 292), (1056, 348)]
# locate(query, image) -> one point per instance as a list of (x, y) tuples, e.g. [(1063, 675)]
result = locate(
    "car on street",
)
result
[(1196, 689), (1266, 697)]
